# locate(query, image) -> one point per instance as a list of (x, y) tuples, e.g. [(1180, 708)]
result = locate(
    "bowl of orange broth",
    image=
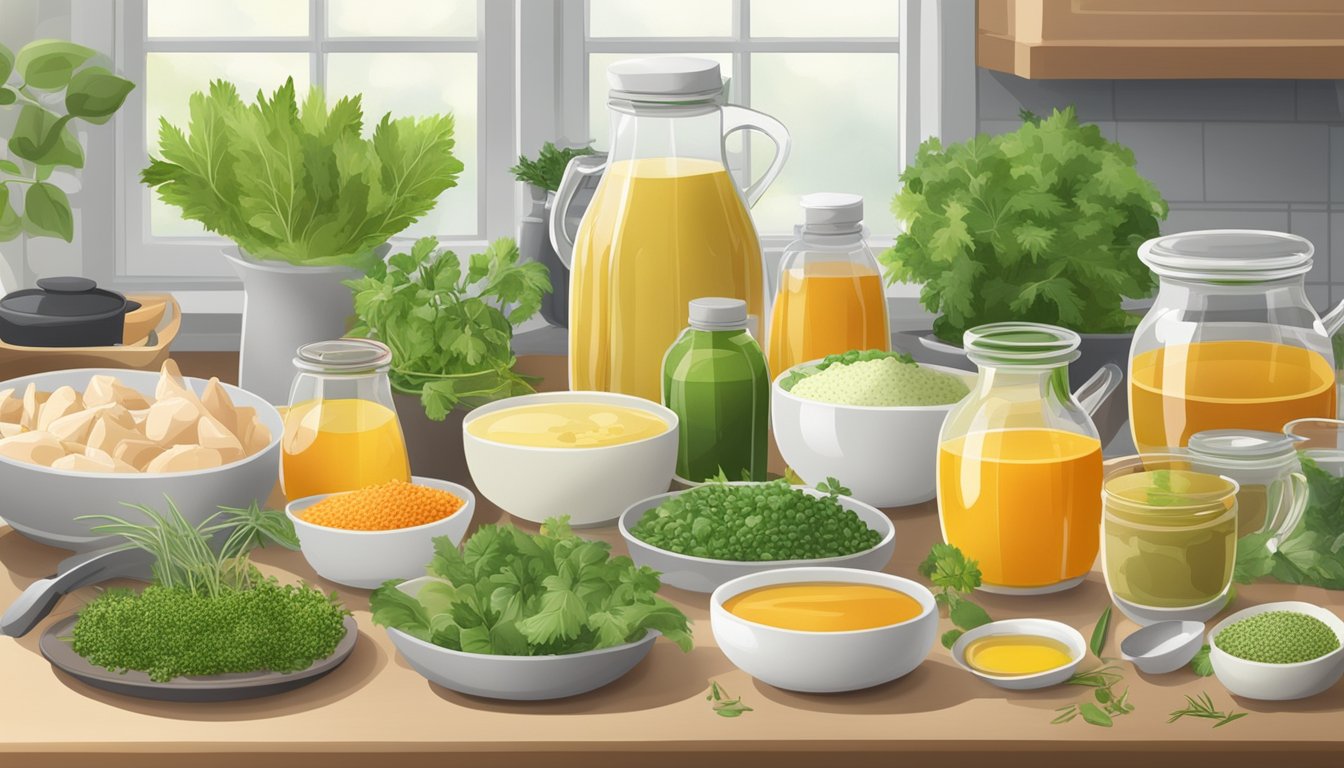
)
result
[(589, 455), (824, 630)]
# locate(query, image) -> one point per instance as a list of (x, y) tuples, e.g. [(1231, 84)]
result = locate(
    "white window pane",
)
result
[(660, 18), (833, 18), (421, 84), (599, 119), (227, 18), (401, 18), (171, 78), (840, 109)]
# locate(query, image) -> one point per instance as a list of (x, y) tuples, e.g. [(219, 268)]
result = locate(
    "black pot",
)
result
[(64, 312)]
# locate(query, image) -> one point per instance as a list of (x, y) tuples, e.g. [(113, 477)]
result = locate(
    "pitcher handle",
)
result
[(1333, 320), (737, 118), (1297, 505), (1095, 390), (576, 171)]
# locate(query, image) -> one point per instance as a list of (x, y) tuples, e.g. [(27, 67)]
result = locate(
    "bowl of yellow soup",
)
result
[(824, 630), (589, 455), (1021, 654)]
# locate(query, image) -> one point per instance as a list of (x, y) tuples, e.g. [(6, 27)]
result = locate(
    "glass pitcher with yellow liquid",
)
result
[(1231, 341), (1019, 461), (667, 223)]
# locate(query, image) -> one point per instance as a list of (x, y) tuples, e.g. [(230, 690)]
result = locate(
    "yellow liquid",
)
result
[(567, 425), (340, 445), (659, 232), (827, 309), (1178, 390), (1016, 655), (824, 606), (1025, 503)]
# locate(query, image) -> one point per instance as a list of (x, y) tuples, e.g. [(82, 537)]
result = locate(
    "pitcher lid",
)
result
[(1247, 255), (343, 356), (665, 79)]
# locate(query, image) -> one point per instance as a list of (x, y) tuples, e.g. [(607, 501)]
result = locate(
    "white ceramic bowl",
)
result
[(517, 678), (1038, 627), (42, 503), (1163, 647), (701, 574), (886, 455), (366, 559), (823, 662), (591, 485), (1278, 682)]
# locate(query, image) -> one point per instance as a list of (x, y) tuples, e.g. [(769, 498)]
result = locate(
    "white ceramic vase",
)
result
[(284, 307)]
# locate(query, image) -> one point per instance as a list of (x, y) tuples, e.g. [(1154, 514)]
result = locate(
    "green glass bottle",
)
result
[(715, 379)]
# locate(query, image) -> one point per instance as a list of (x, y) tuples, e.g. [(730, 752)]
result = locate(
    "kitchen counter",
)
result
[(374, 710)]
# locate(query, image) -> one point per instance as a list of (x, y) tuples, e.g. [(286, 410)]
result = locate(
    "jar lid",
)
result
[(1023, 344), (64, 297), (718, 314), (1242, 444), (343, 356), (665, 79), (832, 213), (1239, 255)]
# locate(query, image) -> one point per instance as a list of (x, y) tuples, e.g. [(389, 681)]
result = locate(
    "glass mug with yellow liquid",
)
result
[(1231, 341), (1019, 461), (341, 428), (666, 225)]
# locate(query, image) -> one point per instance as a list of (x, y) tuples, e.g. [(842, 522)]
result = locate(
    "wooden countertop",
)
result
[(374, 710)]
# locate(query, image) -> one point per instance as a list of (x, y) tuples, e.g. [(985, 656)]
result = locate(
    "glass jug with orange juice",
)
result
[(830, 297), (1019, 461), (667, 223), (1231, 341), (341, 428)]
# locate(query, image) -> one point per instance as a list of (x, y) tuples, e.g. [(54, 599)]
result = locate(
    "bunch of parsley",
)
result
[(1042, 224), (546, 171), (301, 185), (450, 330), (511, 593), (1313, 554)]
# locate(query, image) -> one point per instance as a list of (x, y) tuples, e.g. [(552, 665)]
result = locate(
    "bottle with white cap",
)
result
[(829, 297), (715, 379)]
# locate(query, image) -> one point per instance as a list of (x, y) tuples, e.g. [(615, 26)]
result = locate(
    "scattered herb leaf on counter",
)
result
[(1313, 554), (1098, 643), (725, 705), (508, 592), (1109, 705), (1202, 707), (450, 336), (1201, 665), (955, 576)]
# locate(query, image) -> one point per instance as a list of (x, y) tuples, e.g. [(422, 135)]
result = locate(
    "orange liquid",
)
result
[(340, 445), (1182, 389), (659, 232), (1025, 503), (827, 309)]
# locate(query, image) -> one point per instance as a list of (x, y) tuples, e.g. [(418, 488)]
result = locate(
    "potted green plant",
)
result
[(1042, 224), (450, 328), (309, 201), (52, 83), (542, 176)]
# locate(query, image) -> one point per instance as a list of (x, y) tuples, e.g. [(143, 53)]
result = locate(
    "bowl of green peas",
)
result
[(713, 533)]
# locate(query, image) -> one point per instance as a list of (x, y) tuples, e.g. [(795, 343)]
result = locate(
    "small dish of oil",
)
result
[(1021, 654)]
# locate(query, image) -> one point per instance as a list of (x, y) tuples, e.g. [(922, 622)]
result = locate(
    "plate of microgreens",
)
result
[(210, 626)]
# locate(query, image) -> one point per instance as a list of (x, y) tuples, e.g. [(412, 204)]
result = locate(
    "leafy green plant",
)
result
[(450, 330), (545, 171), (1313, 554), (1041, 224), (955, 576), (506, 592), (52, 83), (301, 184)]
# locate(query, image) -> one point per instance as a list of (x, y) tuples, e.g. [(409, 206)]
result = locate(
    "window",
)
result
[(407, 57)]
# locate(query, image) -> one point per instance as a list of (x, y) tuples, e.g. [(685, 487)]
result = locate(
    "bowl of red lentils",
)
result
[(363, 538)]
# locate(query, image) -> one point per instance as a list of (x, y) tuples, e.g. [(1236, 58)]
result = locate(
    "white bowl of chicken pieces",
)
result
[(96, 441)]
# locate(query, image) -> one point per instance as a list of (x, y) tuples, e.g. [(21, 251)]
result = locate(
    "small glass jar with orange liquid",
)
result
[(830, 297), (1019, 461), (341, 428)]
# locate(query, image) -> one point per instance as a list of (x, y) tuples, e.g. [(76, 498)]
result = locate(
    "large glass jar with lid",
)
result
[(1231, 341), (341, 428)]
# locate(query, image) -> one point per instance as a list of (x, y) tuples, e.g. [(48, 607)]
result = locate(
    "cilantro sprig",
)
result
[(955, 576), (1313, 554)]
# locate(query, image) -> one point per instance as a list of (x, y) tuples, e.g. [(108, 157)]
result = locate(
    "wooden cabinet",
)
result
[(1162, 39)]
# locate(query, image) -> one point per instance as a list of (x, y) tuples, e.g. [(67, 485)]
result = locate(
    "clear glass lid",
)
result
[(344, 356), (1021, 344), (1240, 255)]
